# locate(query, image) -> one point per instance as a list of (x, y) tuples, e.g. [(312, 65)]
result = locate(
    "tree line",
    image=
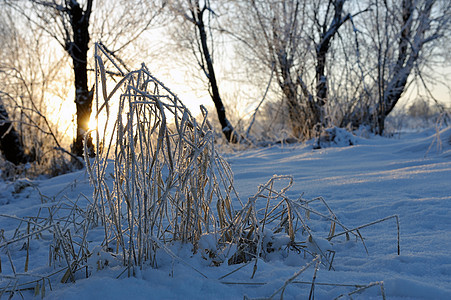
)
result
[(330, 62)]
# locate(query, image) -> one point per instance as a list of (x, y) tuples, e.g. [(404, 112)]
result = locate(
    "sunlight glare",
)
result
[(92, 125)]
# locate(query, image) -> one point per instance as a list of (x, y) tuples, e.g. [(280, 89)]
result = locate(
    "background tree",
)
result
[(416, 24), (70, 23), (394, 45), (340, 62), (295, 36), (199, 16)]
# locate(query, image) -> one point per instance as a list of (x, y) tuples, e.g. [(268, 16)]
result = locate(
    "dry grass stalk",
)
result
[(362, 288), (57, 219), (396, 217), (312, 288), (292, 278)]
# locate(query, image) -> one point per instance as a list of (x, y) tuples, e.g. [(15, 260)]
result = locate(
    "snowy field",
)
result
[(407, 175)]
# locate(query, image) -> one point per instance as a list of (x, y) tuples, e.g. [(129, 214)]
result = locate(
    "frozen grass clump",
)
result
[(167, 174)]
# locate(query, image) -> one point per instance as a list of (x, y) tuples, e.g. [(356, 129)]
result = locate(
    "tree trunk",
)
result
[(10, 143), (78, 50), (227, 128), (290, 93), (406, 59), (322, 48)]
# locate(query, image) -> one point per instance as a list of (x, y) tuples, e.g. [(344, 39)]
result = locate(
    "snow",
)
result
[(407, 175)]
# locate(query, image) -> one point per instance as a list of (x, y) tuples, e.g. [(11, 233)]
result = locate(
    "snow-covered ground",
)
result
[(408, 176)]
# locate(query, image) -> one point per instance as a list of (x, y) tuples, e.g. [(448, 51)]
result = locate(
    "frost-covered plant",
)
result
[(167, 174)]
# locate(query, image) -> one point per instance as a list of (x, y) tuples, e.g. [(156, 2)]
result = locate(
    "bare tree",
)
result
[(419, 23), (341, 62), (70, 22), (198, 15), (396, 41), (326, 32), (295, 36)]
